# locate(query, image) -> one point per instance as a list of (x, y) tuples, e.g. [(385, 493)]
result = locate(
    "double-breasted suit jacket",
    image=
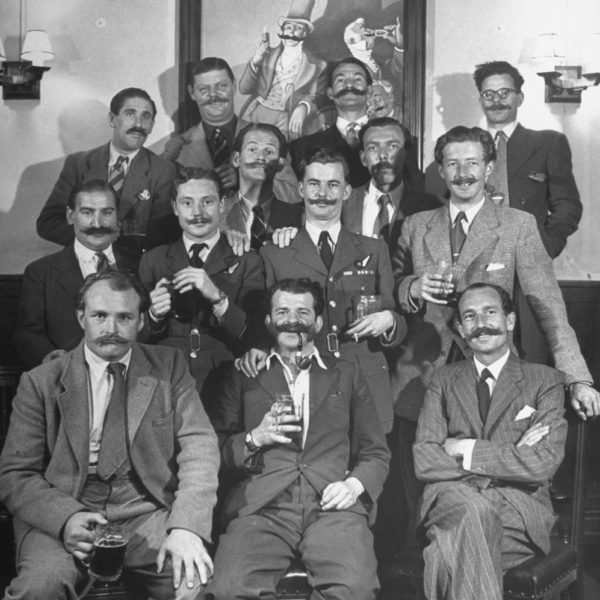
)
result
[(541, 182), (361, 265), (451, 411), (46, 317), (344, 437), (503, 245), (308, 83), (411, 202), (145, 198), (172, 446)]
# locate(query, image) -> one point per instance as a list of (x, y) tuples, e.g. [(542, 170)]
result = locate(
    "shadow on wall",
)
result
[(458, 104), (81, 125)]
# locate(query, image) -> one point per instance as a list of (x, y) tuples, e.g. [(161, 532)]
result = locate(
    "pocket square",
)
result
[(537, 176), (494, 267), (525, 413), (233, 267)]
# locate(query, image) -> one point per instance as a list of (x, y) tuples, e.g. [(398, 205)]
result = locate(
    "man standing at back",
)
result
[(140, 178)]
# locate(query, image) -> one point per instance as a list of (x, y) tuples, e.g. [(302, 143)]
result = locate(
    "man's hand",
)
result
[(372, 325), (432, 288), (239, 242), (228, 176), (455, 446), (585, 400), (261, 50), (160, 299), (273, 427), (340, 495), (283, 237), (252, 362), (53, 354), (192, 278), (78, 534), (185, 549), (297, 121), (533, 435)]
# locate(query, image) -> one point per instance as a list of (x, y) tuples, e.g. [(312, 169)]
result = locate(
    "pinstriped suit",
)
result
[(477, 530)]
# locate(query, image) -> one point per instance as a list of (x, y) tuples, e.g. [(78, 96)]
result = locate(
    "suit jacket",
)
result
[(46, 315), (502, 244), (308, 83), (190, 149), (277, 214), (411, 202), (451, 411), (241, 278), (145, 197), (344, 437), (172, 446), (303, 148), (361, 265), (541, 182)]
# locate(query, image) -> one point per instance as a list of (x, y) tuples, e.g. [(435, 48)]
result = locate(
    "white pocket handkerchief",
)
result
[(525, 413), (494, 267)]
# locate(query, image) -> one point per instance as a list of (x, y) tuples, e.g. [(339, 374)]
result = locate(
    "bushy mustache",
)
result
[(464, 179), (137, 130), (105, 340), (292, 327), (350, 90), (99, 231), (215, 100), (328, 201), (199, 221), (498, 107), (483, 331), (295, 38)]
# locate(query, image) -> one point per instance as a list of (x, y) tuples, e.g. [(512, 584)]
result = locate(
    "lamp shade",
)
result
[(2, 51), (548, 52), (36, 47)]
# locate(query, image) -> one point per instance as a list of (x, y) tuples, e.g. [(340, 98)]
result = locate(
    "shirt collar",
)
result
[(373, 194), (87, 256), (494, 368), (342, 124), (508, 129), (274, 354), (114, 154), (470, 212), (210, 242), (314, 232), (98, 365)]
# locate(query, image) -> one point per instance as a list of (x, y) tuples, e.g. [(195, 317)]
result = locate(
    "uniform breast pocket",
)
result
[(359, 284)]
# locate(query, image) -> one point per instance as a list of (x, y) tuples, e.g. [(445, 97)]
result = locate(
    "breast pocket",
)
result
[(359, 284)]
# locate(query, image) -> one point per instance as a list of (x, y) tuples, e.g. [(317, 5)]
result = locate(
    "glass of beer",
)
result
[(286, 405), (450, 274), (109, 552), (365, 304)]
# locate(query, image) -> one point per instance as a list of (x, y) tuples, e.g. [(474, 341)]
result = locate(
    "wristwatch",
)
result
[(252, 447), (222, 298)]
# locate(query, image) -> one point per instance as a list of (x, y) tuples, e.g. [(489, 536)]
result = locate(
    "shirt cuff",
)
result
[(467, 447)]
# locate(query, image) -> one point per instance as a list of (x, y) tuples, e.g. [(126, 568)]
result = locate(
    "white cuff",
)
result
[(468, 447)]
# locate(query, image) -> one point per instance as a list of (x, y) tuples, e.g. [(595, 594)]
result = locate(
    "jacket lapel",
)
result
[(97, 163), (519, 149), (347, 251), (321, 382), (437, 235), (464, 392), (140, 390), (272, 380), (353, 210), (68, 273), (235, 217), (220, 257), (177, 258), (306, 252), (135, 182), (507, 389)]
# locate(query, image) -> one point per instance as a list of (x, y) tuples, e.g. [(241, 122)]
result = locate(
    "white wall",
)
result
[(463, 33), (101, 46)]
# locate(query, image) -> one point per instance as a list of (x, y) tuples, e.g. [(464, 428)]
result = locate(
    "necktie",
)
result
[(382, 222), (102, 262), (220, 147), (483, 394), (195, 259), (116, 176), (258, 229), (325, 249), (498, 181), (457, 235), (113, 447), (352, 134)]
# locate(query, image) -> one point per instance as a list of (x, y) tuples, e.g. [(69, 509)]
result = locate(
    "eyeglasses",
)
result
[(502, 93)]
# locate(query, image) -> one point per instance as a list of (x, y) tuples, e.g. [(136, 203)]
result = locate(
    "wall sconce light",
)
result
[(20, 79), (564, 83)]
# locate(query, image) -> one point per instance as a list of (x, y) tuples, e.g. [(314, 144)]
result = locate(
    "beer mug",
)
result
[(110, 545), (450, 274)]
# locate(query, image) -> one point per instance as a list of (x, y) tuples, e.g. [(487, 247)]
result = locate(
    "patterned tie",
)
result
[(113, 447), (352, 134), (116, 176), (220, 147), (258, 229), (457, 235), (498, 181), (382, 222), (102, 262), (483, 394), (325, 249), (195, 259)]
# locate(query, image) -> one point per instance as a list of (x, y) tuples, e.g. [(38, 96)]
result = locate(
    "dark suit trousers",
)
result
[(335, 546), (475, 536)]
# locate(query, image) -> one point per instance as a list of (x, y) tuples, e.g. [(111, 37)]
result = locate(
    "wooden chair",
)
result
[(540, 577)]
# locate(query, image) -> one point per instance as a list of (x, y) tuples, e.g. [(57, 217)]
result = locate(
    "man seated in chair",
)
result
[(308, 475), (490, 436)]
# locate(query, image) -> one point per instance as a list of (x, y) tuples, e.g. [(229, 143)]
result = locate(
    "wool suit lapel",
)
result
[(272, 380), (67, 272), (135, 182), (508, 387), (235, 217), (463, 391), (347, 250), (353, 210), (437, 235), (519, 148), (73, 404), (97, 163), (306, 252), (140, 390), (321, 382), (177, 258), (220, 257)]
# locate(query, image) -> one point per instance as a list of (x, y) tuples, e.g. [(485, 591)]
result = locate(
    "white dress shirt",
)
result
[(87, 259)]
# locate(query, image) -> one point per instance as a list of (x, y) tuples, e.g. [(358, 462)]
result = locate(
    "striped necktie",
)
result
[(195, 259), (258, 229), (220, 147), (382, 222), (457, 235), (102, 262), (116, 176)]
